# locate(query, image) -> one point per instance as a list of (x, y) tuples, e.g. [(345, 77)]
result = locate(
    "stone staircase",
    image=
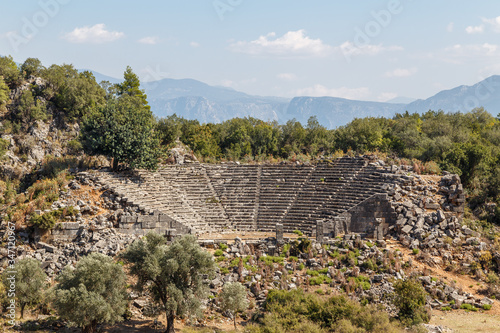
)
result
[(218, 197)]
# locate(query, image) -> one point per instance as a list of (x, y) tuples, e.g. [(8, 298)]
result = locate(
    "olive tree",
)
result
[(233, 298), (94, 292), (172, 273), (410, 301), (29, 280)]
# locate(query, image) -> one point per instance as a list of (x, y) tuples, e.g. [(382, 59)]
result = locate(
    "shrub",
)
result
[(270, 260), (468, 307), (312, 273), (74, 146), (410, 301), (45, 221), (320, 279), (415, 251), (295, 311), (492, 278), (486, 307), (369, 265), (4, 144), (223, 246), (218, 253), (298, 232)]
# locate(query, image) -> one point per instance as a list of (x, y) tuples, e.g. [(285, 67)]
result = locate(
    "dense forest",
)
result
[(115, 120)]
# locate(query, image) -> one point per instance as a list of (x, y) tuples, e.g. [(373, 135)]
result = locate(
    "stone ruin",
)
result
[(324, 200)]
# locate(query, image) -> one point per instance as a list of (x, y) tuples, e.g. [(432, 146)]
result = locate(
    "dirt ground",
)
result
[(464, 322)]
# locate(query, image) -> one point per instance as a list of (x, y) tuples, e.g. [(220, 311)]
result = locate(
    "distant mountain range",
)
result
[(193, 99)]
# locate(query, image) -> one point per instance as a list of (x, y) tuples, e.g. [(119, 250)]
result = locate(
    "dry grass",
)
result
[(465, 322)]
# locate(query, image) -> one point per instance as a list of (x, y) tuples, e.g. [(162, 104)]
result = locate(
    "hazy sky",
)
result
[(368, 50)]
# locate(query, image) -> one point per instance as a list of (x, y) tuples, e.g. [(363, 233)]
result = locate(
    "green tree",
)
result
[(4, 94), (410, 301), (9, 71), (30, 282), (169, 129), (234, 299), (293, 138), (122, 131), (76, 94), (316, 136), (172, 273), (92, 293), (31, 66), (131, 87), (28, 109)]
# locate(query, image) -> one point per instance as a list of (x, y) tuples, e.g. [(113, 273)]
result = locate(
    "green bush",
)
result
[(323, 270), (368, 264), (45, 221), (320, 279), (224, 270), (410, 301), (74, 146), (415, 251), (296, 312), (270, 260), (298, 232), (468, 307), (218, 253), (312, 273), (4, 144), (223, 246), (486, 307)]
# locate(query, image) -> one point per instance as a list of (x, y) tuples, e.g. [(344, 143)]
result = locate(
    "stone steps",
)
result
[(249, 197)]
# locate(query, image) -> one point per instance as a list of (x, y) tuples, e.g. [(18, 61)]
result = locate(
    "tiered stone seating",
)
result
[(325, 181), (211, 198), (237, 187), (191, 187), (280, 185)]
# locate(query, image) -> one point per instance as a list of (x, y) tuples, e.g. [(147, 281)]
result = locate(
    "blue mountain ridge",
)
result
[(193, 99)]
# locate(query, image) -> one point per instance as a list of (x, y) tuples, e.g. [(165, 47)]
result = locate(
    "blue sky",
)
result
[(368, 50)]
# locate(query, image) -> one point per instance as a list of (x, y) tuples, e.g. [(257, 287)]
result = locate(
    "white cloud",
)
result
[(384, 97), (228, 83), (149, 40), (94, 34), (475, 29), (292, 43), (450, 27), (319, 90), (473, 50), (350, 49), (401, 72), (194, 44), (494, 23), (287, 76)]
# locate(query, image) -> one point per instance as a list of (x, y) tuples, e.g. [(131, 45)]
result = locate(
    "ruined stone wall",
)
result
[(160, 223)]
